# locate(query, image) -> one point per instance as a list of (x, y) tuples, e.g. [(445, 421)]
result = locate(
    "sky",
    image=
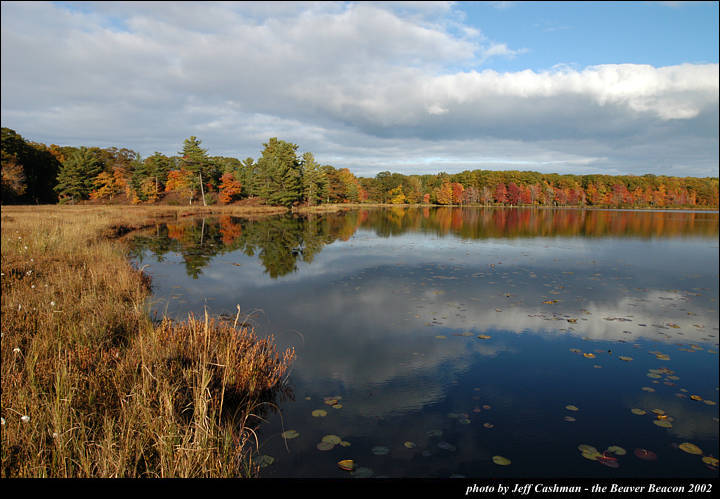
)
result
[(618, 88)]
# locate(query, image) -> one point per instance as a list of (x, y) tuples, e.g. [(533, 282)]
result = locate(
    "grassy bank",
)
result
[(92, 388)]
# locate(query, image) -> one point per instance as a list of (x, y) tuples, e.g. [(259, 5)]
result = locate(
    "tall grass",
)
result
[(91, 387)]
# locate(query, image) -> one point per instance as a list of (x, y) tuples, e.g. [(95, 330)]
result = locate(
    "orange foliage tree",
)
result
[(230, 188)]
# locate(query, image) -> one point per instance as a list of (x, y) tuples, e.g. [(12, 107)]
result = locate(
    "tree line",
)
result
[(35, 173)]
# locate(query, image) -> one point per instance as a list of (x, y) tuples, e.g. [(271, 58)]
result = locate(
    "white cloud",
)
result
[(401, 79)]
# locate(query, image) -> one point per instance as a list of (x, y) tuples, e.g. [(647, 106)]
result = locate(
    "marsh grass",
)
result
[(91, 387)]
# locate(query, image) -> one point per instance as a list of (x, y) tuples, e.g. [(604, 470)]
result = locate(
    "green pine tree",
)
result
[(76, 175), (279, 173)]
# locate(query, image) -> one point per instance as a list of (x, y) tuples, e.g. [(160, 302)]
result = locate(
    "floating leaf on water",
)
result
[(264, 461), (446, 446), (709, 460), (501, 461), (626, 359), (696, 397), (484, 336), (709, 402), (653, 375), (573, 321), (325, 446), (346, 464), (464, 421), (597, 366), (331, 401), (488, 425), (571, 408), (486, 407), (344, 443), (570, 419), (658, 411), (337, 406), (609, 462), (409, 445), (690, 448), (380, 450), (638, 412), (441, 337), (587, 448), (576, 350), (592, 456), (319, 413), (287, 435), (466, 333), (550, 302), (646, 455), (663, 356), (647, 389), (362, 473), (662, 423), (332, 439), (617, 450), (589, 355)]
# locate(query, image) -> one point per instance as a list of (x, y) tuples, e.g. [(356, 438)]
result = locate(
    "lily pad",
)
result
[(325, 446), (587, 448), (264, 461), (571, 408), (319, 413), (488, 425), (332, 439), (346, 464), (658, 411), (589, 355), (617, 450), (362, 473), (331, 401), (644, 454), (690, 448), (647, 389), (380, 450), (484, 336), (638, 412), (447, 446), (345, 443), (696, 397), (626, 359), (570, 419), (711, 461), (501, 461), (290, 434), (337, 406), (409, 445), (662, 423)]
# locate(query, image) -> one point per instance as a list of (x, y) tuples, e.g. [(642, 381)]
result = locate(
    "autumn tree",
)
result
[(230, 188)]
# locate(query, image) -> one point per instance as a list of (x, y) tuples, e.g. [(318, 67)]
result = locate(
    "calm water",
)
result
[(384, 308)]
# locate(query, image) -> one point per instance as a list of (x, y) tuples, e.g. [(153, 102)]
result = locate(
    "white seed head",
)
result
[(25, 419)]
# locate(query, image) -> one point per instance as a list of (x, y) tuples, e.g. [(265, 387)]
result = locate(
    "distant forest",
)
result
[(36, 173)]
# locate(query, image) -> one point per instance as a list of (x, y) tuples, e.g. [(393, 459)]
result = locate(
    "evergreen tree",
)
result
[(195, 160), (313, 179), (77, 174), (279, 173)]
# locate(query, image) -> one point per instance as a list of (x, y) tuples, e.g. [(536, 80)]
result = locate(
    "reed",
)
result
[(91, 387)]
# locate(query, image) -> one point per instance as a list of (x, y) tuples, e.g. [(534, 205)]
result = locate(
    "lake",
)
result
[(475, 342)]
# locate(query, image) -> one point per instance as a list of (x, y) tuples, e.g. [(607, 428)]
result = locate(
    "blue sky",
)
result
[(411, 87), (589, 33)]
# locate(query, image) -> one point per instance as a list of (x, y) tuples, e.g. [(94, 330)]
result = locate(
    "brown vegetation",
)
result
[(90, 386)]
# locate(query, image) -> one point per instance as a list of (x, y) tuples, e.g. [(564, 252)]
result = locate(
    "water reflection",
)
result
[(281, 242), (384, 308)]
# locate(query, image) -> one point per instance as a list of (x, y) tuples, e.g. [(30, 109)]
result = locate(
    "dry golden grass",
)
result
[(90, 387)]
